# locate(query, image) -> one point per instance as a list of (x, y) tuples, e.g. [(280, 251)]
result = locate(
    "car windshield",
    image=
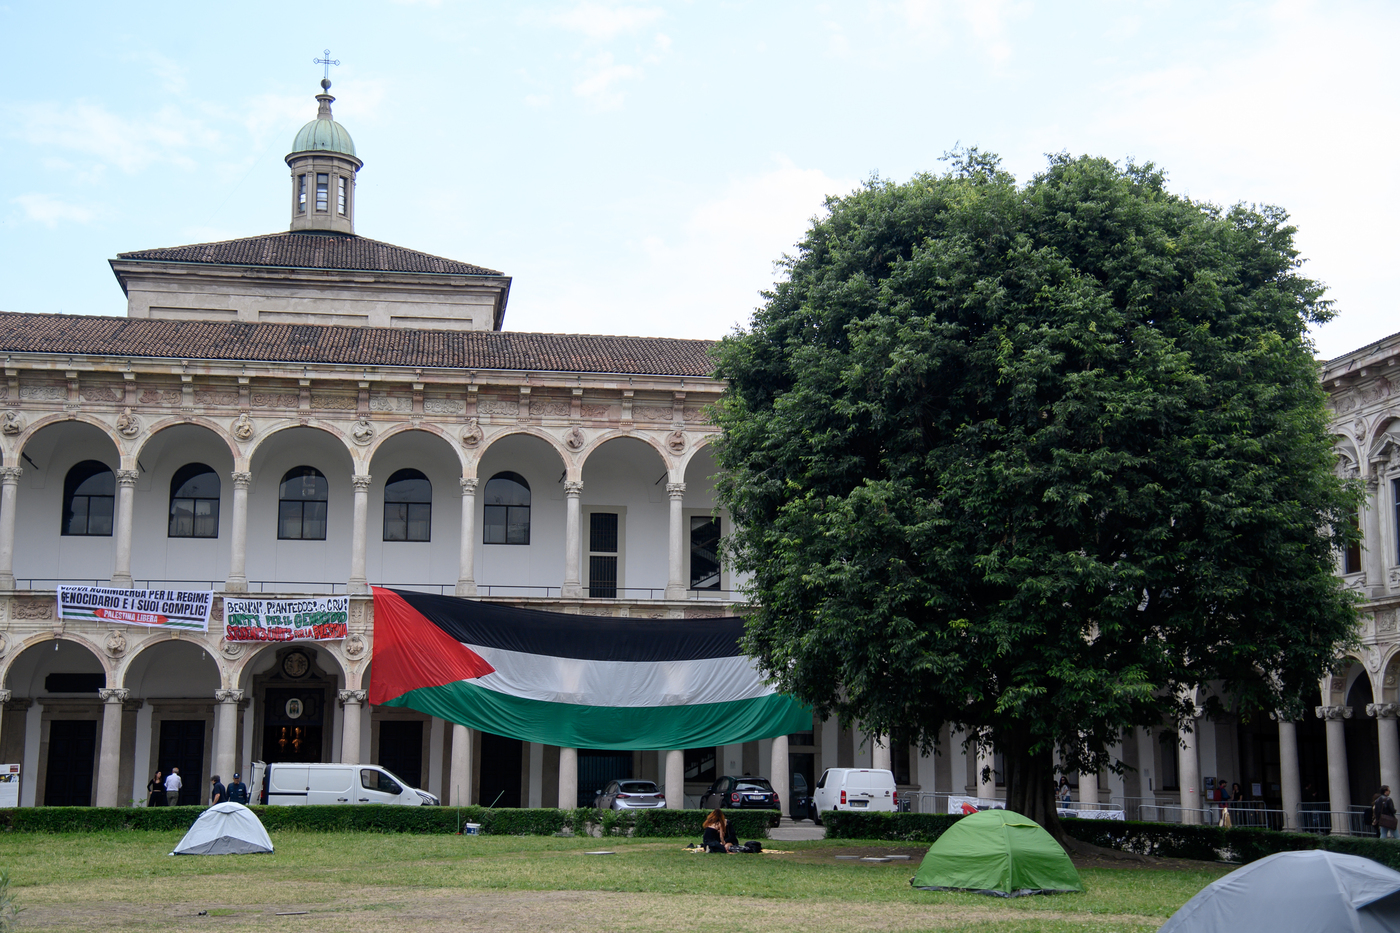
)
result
[(754, 786), (637, 787)]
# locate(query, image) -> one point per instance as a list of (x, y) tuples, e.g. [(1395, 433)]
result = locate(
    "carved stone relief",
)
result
[(231, 649), (157, 397), (128, 425), (4, 644), (243, 428), (495, 406), (355, 647), (1385, 621), (651, 413), (676, 442), (696, 414), (444, 406), (274, 400), (596, 411), (548, 408), (216, 609), (12, 422), (215, 397), (333, 402), (115, 643), (33, 609), (363, 432), (471, 435), (575, 439), (390, 403), (44, 393), (705, 614), (101, 394)]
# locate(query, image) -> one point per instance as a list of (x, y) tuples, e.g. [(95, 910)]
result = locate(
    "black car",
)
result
[(741, 793), (801, 803)]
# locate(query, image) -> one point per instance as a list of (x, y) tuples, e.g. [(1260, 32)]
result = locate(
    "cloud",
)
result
[(604, 20), (49, 211), (130, 143), (601, 77), (941, 21)]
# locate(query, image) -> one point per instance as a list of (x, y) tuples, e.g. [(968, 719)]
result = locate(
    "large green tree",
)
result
[(1035, 460)]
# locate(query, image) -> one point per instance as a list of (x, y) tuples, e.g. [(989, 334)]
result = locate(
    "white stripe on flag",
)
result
[(621, 683)]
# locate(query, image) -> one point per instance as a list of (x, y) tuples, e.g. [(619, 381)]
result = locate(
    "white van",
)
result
[(854, 789), (289, 783)]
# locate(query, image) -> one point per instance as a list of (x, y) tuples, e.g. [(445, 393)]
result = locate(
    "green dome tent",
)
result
[(997, 852)]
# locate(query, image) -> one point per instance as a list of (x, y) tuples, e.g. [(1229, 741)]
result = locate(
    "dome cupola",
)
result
[(324, 165)]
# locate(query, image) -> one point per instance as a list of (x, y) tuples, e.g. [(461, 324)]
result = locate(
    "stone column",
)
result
[(675, 566), (1338, 783), (126, 500), (5, 696), (351, 701), (1290, 781), (986, 779), (459, 791), (573, 543), (359, 583), (779, 772), (466, 573), (568, 778), (226, 732), (9, 484), (110, 756), (1189, 770), (237, 581), (675, 779), (880, 753), (1372, 545), (1386, 714), (1089, 789)]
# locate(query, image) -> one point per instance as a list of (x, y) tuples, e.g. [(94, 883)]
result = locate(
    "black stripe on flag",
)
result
[(556, 634)]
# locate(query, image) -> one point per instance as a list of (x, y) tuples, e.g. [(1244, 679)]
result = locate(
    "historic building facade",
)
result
[(313, 412)]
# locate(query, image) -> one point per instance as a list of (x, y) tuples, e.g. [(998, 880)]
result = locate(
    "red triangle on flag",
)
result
[(410, 652)]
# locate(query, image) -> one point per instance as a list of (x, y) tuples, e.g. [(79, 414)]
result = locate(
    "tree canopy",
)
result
[(1035, 460)]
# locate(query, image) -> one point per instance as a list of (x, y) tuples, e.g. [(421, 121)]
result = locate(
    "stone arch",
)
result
[(119, 443), (241, 670), (405, 427), (197, 420), (565, 458), (287, 424), (701, 443), (668, 460), (157, 638), (109, 667), (1389, 689)]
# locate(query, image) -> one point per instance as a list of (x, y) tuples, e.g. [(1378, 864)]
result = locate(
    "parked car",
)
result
[(292, 783), (854, 789), (630, 795), (741, 793)]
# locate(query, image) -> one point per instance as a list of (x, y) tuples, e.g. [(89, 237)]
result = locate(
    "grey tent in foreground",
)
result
[(225, 829), (1317, 891)]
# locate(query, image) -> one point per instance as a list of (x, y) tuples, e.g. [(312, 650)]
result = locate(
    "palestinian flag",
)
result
[(573, 681)]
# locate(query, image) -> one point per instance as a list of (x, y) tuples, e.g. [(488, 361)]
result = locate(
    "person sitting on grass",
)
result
[(720, 836)]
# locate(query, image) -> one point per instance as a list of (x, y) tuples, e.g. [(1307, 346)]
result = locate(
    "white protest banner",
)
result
[(286, 619), (160, 608)]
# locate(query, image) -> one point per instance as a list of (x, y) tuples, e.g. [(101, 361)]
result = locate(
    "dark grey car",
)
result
[(741, 793), (630, 795)]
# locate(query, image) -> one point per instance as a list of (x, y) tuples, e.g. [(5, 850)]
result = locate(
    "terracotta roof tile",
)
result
[(351, 346), (311, 251)]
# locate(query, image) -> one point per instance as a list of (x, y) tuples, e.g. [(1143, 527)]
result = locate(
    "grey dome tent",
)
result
[(1315, 890), (225, 829)]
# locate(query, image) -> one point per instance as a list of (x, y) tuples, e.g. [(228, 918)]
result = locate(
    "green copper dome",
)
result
[(323, 134)]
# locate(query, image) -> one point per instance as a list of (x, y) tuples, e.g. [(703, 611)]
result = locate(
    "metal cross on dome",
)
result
[(327, 61)]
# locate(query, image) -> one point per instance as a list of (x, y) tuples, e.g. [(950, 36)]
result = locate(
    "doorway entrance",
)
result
[(182, 746), (501, 768), (596, 769), (401, 749), (293, 719), (72, 750)]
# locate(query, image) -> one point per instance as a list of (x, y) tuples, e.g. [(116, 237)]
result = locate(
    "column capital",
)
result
[(10, 475), (1383, 710), (127, 477), (355, 697), (361, 481), (1373, 482), (573, 489), (675, 490), (468, 484), (228, 696), (241, 479), (113, 694), (1333, 712)]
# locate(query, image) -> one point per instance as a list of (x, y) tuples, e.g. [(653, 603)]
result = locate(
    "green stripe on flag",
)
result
[(610, 727)]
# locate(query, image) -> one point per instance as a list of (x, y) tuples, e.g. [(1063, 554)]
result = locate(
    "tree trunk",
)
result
[(1030, 781)]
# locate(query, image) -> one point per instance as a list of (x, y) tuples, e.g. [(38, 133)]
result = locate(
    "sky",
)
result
[(638, 167)]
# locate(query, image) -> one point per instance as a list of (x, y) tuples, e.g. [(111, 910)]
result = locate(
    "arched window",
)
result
[(194, 502), (301, 505), (408, 507), (506, 510), (89, 495)]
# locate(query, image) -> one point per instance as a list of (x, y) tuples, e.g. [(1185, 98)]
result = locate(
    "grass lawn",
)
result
[(366, 882)]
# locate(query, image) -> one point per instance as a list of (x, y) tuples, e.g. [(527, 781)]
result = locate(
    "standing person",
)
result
[(172, 787), (1383, 813), (155, 791), (217, 792), (1236, 793), (237, 790), (1063, 792)]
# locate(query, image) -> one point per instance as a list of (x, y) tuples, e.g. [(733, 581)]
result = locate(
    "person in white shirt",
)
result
[(172, 787)]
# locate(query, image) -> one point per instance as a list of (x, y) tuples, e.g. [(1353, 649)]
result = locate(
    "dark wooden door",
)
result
[(501, 760), (182, 746), (401, 748), (72, 756), (292, 722)]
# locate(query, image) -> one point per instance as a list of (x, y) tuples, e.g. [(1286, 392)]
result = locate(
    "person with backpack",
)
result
[(1383, 813)]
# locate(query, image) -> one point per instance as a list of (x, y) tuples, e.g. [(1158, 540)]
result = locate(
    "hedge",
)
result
[(1163, 840), (392, 819)]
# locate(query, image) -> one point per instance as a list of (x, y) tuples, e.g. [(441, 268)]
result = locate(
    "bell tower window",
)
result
[(301, 194), (323, 181), (340, 193)]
